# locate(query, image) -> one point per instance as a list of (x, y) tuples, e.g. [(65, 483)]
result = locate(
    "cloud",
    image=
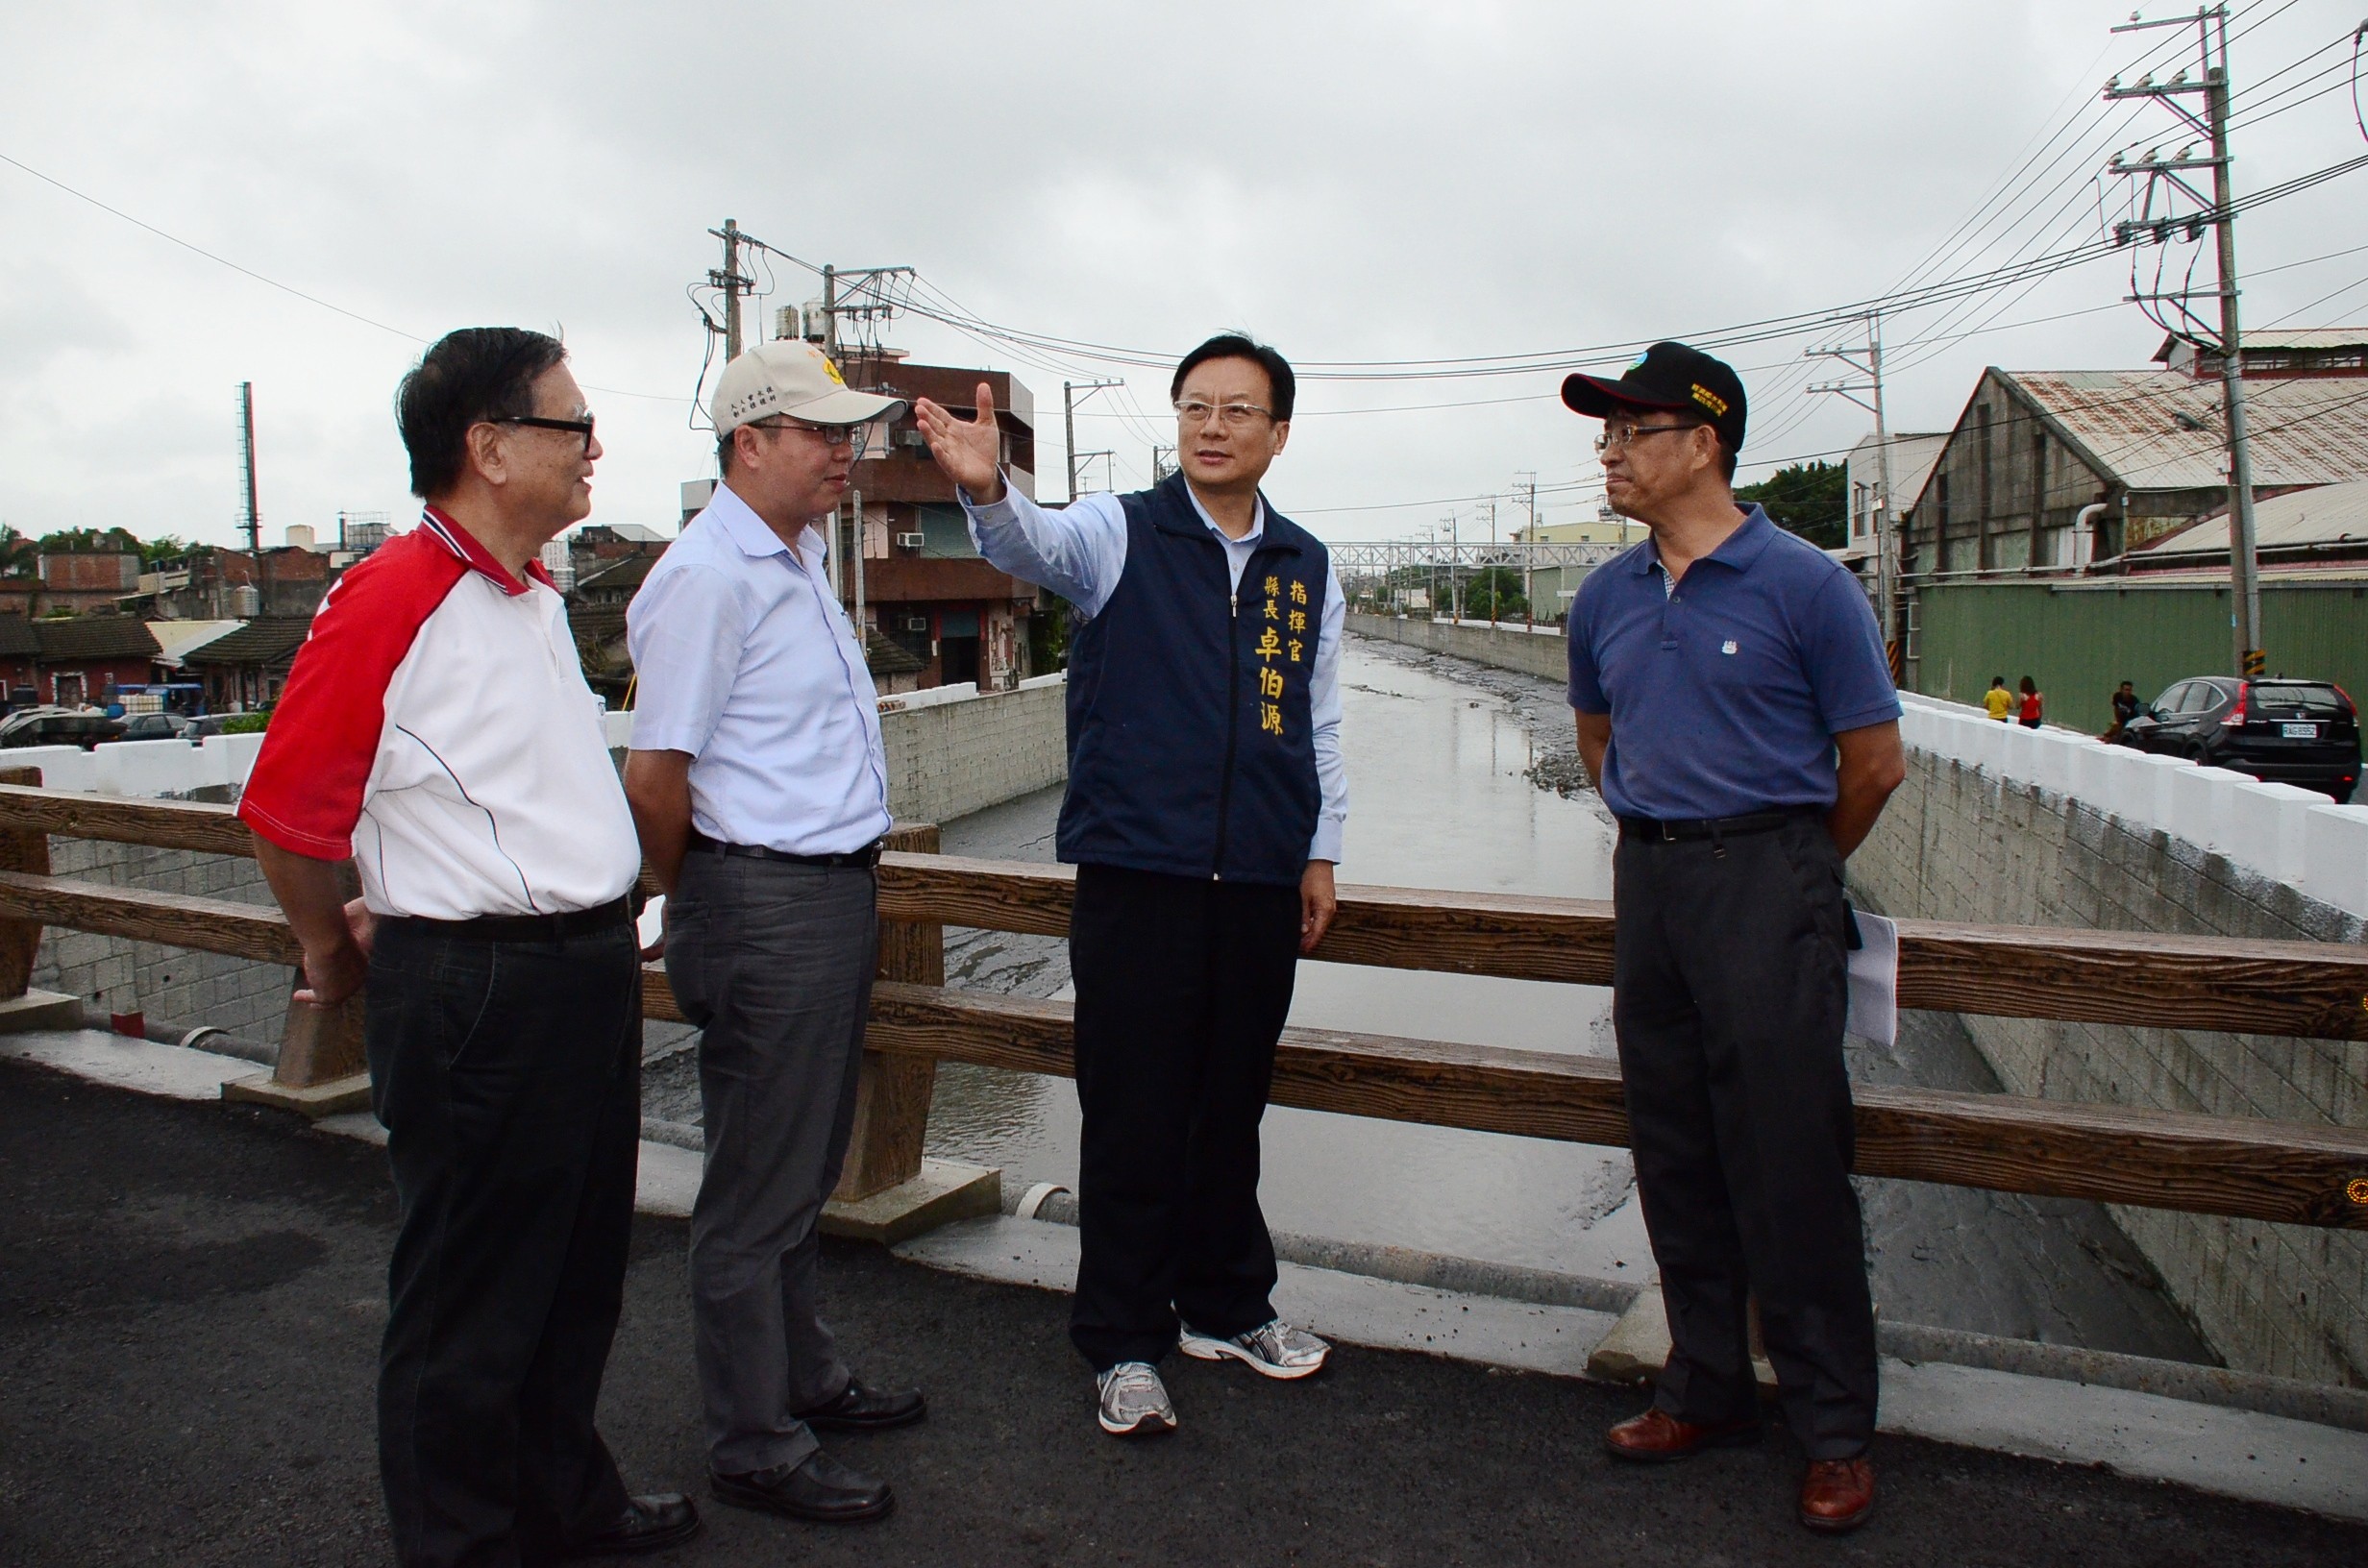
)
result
[(1354, 181)]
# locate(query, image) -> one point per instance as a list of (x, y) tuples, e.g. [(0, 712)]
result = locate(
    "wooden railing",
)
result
[(2307, 1174)]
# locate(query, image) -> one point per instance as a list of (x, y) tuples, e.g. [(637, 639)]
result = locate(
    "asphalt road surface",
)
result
[(190, 1300)]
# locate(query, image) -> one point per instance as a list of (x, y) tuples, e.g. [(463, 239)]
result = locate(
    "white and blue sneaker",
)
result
[(1275, 1349), (1134, 1402)]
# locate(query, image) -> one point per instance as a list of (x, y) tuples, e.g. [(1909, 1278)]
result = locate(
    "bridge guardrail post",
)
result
[(26, 849), (889, 1190), (322, 1070)]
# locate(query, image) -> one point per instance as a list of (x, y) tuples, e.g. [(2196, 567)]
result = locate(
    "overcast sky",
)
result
[(1352, 182)]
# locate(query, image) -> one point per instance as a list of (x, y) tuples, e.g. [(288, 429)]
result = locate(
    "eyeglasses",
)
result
[(582, 426), (1615, 437), (831, 435), (1233, 416)]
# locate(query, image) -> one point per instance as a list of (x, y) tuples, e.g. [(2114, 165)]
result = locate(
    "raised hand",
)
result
[(970, 451)]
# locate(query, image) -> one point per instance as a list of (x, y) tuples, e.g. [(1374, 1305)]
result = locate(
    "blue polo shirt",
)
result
[(1726, 693)]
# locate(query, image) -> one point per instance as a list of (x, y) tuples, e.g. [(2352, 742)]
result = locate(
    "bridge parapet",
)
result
[(2288, 835), (1999, 823)]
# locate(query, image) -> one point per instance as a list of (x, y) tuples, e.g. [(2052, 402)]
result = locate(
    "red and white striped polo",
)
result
[(437, 728)]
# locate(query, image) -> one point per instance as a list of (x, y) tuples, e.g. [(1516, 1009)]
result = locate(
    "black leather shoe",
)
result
[(648, 1524), (821, 1489), (858, 1409)]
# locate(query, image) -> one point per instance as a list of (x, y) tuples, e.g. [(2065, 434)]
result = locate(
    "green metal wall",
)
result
[(2078, 643)]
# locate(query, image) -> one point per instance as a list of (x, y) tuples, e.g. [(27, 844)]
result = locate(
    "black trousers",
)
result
[(1728, 998), (509, 1076), (1182, 989)]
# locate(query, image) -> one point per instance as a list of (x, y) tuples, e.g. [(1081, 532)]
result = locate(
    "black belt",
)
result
[(1649, 831), (575, 923), (866, 857)]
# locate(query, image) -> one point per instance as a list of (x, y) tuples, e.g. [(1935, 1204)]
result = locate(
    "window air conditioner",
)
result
[(909, 541)]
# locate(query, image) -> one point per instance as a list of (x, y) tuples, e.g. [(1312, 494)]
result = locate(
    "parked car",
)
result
[(153, 727), (2303, 732), (194, 730), (58, 726)]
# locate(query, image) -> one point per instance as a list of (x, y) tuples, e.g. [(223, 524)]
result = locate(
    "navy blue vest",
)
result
[(1190, 743)]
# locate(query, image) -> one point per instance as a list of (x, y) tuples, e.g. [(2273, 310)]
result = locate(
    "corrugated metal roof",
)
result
[(2287, 338), (2326, 514), (2160, 430)]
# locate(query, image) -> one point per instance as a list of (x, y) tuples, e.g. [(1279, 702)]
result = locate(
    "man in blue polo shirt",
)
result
[(1736, 709)]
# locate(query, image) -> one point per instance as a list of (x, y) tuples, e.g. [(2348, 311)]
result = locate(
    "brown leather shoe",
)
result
[(1657, 1438), (1837, 1495)]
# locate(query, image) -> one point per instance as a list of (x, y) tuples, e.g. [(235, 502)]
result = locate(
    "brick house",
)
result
[(93, 575), (82, 658), (20, 657), (214, 582), (244, 670), (926, 588)]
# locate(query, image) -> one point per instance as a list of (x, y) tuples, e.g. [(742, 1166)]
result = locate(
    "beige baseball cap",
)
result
[(790, 375)]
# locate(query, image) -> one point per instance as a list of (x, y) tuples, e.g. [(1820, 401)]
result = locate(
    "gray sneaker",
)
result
[(1134, 1402), (1275, 1347)]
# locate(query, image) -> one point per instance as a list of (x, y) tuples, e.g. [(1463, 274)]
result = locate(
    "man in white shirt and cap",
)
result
[(760, 790)]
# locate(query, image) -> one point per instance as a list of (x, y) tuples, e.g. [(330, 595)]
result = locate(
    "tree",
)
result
[(1493, 592), (1811, 499), (70, 541), (19, 556), (165, 546)]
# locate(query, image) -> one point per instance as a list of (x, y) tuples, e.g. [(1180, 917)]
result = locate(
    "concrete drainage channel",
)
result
[(2265, 1439)]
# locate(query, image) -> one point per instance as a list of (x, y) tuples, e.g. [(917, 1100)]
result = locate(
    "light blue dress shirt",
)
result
[(1080, 552), (745, 659)]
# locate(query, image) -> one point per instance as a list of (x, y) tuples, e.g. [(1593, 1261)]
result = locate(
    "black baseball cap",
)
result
[(1669, 376)]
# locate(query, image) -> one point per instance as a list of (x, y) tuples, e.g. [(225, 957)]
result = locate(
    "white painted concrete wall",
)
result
[(2288, 835), (950, 751)]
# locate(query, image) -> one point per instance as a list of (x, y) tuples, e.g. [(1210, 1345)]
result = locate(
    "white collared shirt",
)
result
[(745, 659), (1080, 552)]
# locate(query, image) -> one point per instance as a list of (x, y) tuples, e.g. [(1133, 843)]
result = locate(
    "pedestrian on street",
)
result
[(2027, 713), (1998, 703), (760, 789), (2125, 707), (1205, 812), (437, 730), (1735, 710)]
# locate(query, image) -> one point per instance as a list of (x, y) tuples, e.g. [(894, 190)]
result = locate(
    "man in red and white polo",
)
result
[(436, 730)]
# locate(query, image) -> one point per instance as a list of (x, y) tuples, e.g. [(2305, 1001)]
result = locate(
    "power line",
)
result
[(200, 250)]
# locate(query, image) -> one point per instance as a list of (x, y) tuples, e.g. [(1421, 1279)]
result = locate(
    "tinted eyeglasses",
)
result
[(582, 426)]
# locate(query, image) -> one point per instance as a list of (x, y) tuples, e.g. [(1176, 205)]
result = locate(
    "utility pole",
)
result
[(1491, 568), (252, 520), (863, 638), (2211, 26), (734, 282), (1867, 394), (1163, 462), (1068, 423), (1527, 481), (1455, 567)]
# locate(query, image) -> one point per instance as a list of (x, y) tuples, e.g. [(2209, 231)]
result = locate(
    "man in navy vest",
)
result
[(1206, 799)]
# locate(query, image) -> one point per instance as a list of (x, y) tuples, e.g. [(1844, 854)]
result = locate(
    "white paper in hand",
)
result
[(1874, 981), (653, 923)]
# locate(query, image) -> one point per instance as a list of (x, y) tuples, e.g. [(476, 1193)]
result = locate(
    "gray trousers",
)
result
[(773, 963)]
